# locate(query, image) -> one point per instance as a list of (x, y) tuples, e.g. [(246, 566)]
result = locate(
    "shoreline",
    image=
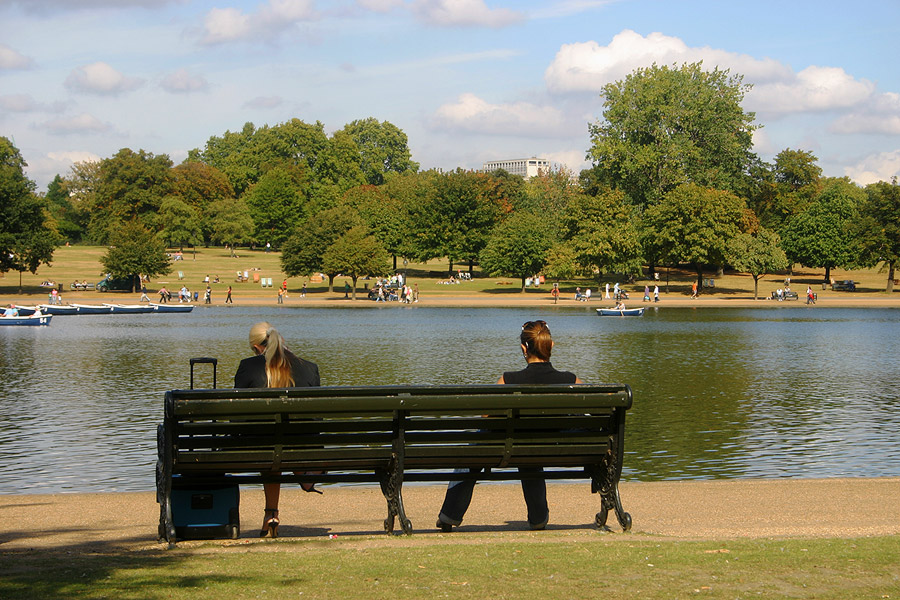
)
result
[(661, 511), (506, 300)]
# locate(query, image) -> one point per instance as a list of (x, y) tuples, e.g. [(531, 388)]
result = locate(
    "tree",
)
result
[(27, 237), (666, 126), (303, 252), (825, 235), (453, 217), (276, 206), (230, 222), (383, 148), (756, 254), (795, 182), (356, 253), (880, 233), (130, 186), (135, 251), (694, 224), (62, 210), (518, 247), (179, 223), (604, 233)]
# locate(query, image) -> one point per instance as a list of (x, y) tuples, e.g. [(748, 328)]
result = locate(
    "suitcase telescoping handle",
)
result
[(213, 361)]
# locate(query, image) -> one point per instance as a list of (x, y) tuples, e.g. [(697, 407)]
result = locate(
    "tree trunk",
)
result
[(828, 274), (395, 262), (890, 281), (756, 286), (330, 277), (699, 278), (523, 284), (354, 278), (451, 266), (471, 265)]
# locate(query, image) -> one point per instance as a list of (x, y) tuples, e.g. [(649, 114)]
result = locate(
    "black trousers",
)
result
[(459, 496)]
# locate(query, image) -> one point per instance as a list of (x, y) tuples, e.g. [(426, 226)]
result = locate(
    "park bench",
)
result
[(391, 434), (786, 295)]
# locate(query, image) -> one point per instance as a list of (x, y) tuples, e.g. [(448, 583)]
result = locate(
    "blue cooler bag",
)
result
[(206, 512)]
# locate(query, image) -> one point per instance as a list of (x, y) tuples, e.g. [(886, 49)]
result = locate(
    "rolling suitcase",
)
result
[(205, 511)]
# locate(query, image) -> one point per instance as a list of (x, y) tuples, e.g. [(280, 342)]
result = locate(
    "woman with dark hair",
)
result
[(274, 366), (536, 345)]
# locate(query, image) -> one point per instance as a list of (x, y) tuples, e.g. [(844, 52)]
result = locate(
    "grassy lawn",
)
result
[(479, 568), (83, 263)]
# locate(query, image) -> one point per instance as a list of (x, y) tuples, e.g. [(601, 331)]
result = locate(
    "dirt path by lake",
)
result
[(681, 510)]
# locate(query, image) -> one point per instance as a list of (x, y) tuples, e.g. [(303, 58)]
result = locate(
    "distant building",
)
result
[(526, 167)]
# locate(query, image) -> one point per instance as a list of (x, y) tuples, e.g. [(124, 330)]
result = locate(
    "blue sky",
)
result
[(467, 80)]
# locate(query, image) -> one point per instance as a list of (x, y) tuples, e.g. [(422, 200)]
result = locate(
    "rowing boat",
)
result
[(620, 312), (129, 309), (172, 308), (30, 320)]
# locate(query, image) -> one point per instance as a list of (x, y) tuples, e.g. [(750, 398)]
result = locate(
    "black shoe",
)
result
[(444, 526)]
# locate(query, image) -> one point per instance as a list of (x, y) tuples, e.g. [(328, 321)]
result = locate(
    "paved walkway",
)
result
[(717, 510)]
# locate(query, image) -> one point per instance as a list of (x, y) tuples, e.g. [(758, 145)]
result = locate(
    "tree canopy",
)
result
[(663, 127)]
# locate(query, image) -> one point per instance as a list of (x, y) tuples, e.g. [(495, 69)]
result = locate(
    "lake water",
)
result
[(718, 393)]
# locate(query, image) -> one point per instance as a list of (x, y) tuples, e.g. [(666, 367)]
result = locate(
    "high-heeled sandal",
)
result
[(270, 525)]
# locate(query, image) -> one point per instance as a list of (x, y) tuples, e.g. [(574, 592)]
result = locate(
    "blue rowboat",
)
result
[(624, 312), (92, 309), (129, 309), (25, 311), (59, 309), (172, 308), (30, 320)]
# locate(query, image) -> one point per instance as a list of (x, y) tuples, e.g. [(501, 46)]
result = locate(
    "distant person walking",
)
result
[(694, 290), (228, 299), (810, 296), (656, 293)]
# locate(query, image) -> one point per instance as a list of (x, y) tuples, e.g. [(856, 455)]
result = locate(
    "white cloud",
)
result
[(83, 123), (10, 59), (812, 89), (876, 167), (880, 116), (472, 114), (183, 81), (223, 25), (588, 66), (379, 6), (46, 167), (464, 13), (100, 78), (264, 102), (573, 160), (19, 103)]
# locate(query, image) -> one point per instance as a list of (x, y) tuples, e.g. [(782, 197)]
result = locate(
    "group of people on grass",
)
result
[(273, 365)]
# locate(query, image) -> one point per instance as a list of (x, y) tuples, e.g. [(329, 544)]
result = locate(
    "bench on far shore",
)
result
[(81, 286), (391, 434), (786, 295)]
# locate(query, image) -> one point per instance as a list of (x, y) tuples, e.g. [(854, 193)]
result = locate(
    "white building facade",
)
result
[(526, 167)]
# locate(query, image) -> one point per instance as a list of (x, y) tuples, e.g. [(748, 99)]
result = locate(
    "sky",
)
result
[(468, 81)]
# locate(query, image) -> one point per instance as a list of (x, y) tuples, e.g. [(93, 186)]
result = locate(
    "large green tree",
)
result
[(135, 251), (825, 234), (356, 253), (27, 236), (757, 254), (229, 222), (666, 126), (303, 252), (454, 216), (604, 232), (131, 186), (880, 229), (383, 148), (276, 204), (518, 247), (179, 223), (693, 224)]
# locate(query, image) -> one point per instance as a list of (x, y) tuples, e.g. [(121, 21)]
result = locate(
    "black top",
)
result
[(252, 372), (539, 372)]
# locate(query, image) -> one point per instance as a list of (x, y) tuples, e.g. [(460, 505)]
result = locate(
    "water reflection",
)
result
[(785, 392)]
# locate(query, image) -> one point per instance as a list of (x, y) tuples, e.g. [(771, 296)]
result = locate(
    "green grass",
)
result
[(83, 263), (480, 567)]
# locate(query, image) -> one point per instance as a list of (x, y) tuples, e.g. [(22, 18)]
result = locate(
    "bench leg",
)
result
[(391, 487), (605, 481)]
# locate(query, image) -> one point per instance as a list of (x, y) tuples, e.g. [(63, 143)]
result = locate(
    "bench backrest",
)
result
[(366, 428)]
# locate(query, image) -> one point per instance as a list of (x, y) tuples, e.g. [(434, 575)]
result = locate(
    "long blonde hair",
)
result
[(278, 365)]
